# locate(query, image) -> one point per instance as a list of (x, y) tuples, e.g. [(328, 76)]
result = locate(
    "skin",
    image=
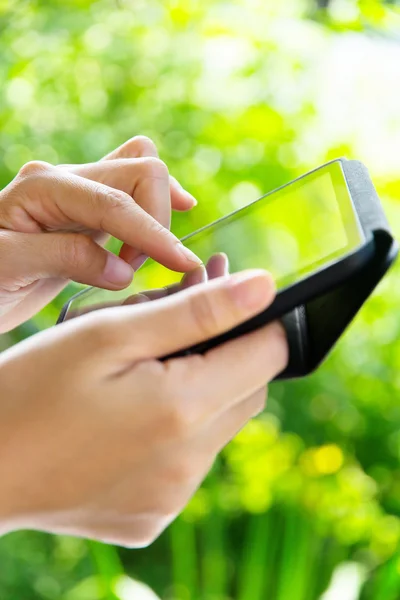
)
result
[(98, 437), (72, 209)]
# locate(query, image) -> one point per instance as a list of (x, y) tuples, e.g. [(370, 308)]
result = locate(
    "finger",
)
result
[(151, 193), (65, 255), (149, 189), (112, 174), (120, 174), (69, 198), (138, 262), (218, 265), (198, 275), (217, 434), (136, 299), (181, 199), (147, 181), (253, 360), (137, 146), (140, 146), (181, 320), (191, 278)]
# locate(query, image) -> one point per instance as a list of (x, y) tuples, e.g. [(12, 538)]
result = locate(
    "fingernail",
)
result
[(252, 290), (189, 255), (117, 271), (194, 277), (192, 199), (136, 299), (137, 262)]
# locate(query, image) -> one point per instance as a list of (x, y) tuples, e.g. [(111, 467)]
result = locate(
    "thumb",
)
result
[(30, 257), (199, 313)]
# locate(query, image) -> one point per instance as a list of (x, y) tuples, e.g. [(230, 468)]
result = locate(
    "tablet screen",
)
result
[(290, 232)]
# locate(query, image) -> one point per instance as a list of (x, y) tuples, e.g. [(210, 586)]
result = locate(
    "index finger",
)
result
[(99, 207)]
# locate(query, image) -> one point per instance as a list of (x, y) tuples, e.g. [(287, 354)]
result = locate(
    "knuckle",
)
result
[(34, 168), (176, 418), (189, 368), (75, 251), (13, 212), (108, 201), (203, 314), (113, 199), (154, 167), (143, 144)]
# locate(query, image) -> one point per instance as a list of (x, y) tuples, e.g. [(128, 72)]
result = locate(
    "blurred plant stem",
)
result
[(214, 546), (259, 555), (296, 551), (108, 568), (184, 559)]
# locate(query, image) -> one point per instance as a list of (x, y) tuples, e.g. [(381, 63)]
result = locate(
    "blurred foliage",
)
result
[(240, 97)]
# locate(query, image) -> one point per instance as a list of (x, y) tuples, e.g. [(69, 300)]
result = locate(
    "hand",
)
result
[(54, 220), (99, 438)]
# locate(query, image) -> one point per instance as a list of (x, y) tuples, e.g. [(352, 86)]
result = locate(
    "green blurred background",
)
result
[(240, 96)]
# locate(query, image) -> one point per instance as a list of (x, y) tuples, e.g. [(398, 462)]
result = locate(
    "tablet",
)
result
[(315, 235)]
